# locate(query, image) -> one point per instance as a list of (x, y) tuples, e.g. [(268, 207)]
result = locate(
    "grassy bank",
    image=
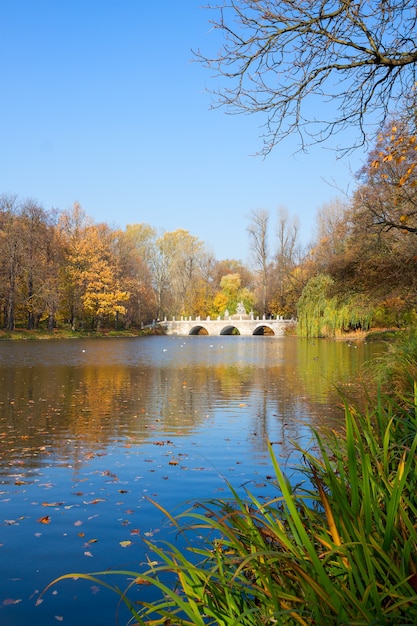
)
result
[(340, 548), (21, 334)]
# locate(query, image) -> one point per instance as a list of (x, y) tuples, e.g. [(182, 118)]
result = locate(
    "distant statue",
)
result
[(240, 309), (226, 313)]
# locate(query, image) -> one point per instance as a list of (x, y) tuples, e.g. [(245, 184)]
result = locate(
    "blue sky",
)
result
[(102, 104)]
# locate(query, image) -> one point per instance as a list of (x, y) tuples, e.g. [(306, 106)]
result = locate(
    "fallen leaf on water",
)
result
[(125, 544), (59, 618), (44, 520), (87, 553), (141, 581), (135, 531), (11, 601), (173, 463), (52, 503), (78, 523)]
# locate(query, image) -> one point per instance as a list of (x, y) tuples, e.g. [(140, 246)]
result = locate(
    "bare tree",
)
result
[(258, 234), (288, 283), (280, 58)]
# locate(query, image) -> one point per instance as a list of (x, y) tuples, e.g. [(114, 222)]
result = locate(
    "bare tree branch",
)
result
[(281, 57)]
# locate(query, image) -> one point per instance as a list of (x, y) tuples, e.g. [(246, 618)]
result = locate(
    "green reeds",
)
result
[(341, 551)]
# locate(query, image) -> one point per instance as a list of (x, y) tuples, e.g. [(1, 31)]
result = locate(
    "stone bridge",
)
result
[(244, 325)]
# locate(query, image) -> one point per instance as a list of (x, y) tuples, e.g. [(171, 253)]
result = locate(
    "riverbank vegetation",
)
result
[(339, 546)]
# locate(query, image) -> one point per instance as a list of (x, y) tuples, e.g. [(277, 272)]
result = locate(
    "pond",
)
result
[(92, 431)]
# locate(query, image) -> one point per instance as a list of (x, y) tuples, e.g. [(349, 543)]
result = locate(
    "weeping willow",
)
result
[(322, 315)]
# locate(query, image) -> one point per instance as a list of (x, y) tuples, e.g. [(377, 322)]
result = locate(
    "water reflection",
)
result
[(99, 392), (90, 429)]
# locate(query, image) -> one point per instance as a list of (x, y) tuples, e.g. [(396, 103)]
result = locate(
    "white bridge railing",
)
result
[(225, 325)]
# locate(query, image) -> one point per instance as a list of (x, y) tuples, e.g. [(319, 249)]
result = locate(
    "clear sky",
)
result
[(102, 104)]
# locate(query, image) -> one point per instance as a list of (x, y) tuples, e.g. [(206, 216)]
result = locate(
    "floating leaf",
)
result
[(87, 553), (9, 601), (125, 544), (44, 520)]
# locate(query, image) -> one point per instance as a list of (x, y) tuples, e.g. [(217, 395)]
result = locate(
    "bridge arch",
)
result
[(264, 329), (230, 329), (198, 330)]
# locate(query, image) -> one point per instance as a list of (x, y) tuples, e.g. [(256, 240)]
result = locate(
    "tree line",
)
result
[(61, 268)]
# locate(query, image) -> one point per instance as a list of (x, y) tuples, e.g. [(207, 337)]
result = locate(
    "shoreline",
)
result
[(22, 334)]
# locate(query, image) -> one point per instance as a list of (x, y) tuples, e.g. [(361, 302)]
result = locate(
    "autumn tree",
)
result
[(90, 274), (281, 59), (368, 246), (10, 256), (102, 296), (36, 257), (230, 295), (49, 292), (388, 190), (72, 225), (179, 267), (134, 276), (233, 266)]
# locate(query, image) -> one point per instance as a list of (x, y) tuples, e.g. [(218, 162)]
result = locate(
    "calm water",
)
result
[(91, 430)]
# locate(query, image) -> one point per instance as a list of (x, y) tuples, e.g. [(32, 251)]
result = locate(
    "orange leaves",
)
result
[(44, 520), (397, 148)]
